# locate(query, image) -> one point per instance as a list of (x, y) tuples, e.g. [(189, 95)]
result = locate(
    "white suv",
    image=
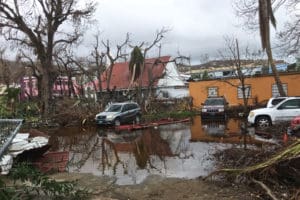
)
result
[(286, 110)]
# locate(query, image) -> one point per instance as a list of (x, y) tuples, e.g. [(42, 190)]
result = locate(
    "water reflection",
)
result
[(215, 129), (176, 150), (227, 131)]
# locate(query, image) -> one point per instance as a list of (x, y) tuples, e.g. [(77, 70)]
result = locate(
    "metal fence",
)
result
[(8, 130)]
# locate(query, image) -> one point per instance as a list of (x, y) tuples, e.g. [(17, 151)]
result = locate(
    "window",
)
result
[(165, 94), (212, 92), (126, 107), (132, 106), (275, 92), (291, 104), (247, 91)]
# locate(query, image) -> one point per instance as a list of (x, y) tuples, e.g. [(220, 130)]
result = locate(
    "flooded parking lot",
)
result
[(182, 150)]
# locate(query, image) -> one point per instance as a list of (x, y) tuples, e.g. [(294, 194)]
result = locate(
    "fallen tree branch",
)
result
[(292, 151), (268, 190)]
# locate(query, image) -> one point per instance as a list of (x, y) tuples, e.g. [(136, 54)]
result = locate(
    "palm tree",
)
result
[(266, 15), (135, 64)]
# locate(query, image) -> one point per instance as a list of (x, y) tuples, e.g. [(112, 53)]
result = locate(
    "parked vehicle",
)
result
[(119, 113), (214, 107), (286, 110), (294, 128), (274, 101)]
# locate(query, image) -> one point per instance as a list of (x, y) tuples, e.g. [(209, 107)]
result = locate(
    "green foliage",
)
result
[(137, 60), (196, 76), (12, 94), (4, 112), (205, 75), (6, 193), (35, 184), (291, 67), (24, 110), (265, 69)]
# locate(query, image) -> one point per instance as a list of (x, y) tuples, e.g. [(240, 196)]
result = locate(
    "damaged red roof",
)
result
[(121, 77)]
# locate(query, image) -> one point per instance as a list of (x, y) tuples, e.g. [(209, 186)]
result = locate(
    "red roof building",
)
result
[(158, 73)]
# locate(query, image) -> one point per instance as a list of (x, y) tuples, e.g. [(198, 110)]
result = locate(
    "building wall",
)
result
[(171, 78), (172, 92), (261, 88), (60, 87)]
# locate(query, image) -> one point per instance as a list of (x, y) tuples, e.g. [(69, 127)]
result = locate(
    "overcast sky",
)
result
[(196, 27)]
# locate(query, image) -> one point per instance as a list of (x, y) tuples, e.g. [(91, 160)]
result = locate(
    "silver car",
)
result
[(119, 113)]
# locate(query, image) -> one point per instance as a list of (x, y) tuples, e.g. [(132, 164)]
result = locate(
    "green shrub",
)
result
[(28, 183)]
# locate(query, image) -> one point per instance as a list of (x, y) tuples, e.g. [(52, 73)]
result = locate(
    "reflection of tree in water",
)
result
[(150, 143), (89, 148), (82, 148), (105, 158), (178, 139)]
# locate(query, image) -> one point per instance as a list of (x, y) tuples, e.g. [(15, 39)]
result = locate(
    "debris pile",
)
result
[(275, 171), (33, 147)]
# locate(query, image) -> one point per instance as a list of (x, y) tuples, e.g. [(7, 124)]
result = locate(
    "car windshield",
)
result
[(113, 108), (211, 102)]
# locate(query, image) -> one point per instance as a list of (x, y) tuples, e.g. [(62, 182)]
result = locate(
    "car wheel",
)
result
[(137, 119), (263, 122), (117, 122)]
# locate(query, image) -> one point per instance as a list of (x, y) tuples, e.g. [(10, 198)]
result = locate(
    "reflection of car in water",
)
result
[(214, 128)]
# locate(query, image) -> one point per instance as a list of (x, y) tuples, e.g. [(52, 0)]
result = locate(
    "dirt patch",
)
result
[(156, 187)]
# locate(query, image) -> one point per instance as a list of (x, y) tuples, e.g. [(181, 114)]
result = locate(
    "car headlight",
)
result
[(251, 114), (110, 117), (221, 109), (204, 110)]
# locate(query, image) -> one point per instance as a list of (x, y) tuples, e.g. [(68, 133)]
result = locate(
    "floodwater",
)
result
[(182, 150)]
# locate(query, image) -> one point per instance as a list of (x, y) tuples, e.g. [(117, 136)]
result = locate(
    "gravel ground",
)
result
[(156, 187)]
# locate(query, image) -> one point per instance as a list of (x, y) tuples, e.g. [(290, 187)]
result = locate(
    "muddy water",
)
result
[(178, 150)]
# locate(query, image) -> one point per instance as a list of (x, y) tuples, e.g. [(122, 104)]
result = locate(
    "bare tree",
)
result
[(112, 59), (234, 57), (144, 48), (289, 37), (82, 65), (204, 58), (249, 9), (39, 26), (31, 64), (4, 69), (66, 66), (99, 60)]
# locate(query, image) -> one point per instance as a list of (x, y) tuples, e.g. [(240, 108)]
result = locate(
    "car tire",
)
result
[(117, 122), (137, 119), (263, 122)]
